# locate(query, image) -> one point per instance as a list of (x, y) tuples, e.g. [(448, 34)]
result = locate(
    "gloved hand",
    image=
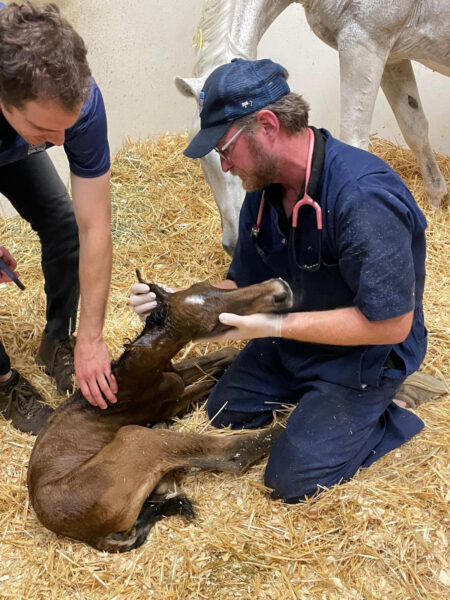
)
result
[(258, 325), (143, 300)]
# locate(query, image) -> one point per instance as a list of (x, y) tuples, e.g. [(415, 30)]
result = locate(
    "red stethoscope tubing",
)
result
[(305, 200)]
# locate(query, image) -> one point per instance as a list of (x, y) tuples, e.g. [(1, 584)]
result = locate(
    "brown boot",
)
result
[(21, 403), (57, 358), (419, 388)]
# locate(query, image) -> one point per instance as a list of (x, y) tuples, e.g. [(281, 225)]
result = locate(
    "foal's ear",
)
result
[(139, 277), (160, 292)]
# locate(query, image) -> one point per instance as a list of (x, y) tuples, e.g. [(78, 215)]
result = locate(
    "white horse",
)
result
[(376, 41)]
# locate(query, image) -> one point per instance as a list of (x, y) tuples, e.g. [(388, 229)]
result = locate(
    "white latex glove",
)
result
[(143, 300), (258, 325)]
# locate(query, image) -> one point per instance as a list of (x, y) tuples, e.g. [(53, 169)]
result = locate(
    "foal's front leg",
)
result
[(213, 364)]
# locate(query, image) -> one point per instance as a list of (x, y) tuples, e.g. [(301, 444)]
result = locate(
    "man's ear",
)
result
[(268, 122)]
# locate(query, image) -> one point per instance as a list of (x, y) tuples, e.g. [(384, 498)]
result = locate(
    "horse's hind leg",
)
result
[(129, 468), (212, 364), (400, 88), (234, 452), (152, 511)]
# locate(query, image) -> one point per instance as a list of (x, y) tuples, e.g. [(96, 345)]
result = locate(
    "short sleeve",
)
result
[(86, 143), (374, 236)]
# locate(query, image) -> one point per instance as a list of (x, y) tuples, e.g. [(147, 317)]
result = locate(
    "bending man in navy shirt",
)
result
[(356, 263), (47, 97)]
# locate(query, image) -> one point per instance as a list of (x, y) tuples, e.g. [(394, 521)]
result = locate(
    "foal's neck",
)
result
[(148, 356)]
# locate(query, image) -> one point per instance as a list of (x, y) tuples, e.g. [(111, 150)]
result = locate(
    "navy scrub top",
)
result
[(373, 257)]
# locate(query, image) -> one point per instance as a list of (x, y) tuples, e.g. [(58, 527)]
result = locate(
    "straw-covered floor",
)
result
[(383, 535)]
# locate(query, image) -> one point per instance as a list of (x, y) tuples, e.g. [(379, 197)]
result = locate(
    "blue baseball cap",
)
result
[(232, 91)]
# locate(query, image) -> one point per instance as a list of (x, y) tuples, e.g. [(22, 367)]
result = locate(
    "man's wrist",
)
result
[(279, 319), (89, 336), (286, 323)]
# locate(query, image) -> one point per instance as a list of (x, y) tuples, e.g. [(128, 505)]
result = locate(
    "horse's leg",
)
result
[(400, 88), (173, 399), (213, 364), (193, 394), (115, 483), (361, 67)]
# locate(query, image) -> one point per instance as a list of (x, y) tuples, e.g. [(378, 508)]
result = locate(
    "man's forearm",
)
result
[(95, 279), (91, 199), (345, 327)]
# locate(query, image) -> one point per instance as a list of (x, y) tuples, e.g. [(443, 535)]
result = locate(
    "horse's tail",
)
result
[(152, 511)]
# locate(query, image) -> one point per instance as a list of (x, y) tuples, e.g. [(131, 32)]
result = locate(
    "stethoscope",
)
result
[(306, 200)]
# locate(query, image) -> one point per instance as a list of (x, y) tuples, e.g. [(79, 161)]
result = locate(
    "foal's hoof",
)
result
[(179, 505)]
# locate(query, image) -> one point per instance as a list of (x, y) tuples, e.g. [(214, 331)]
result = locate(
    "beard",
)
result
[(264, 171)]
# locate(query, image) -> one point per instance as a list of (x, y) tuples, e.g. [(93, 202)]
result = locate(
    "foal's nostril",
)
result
[(280, 298)]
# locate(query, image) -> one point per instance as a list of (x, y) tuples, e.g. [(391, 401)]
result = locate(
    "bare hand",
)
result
[(9, 262), (93, 371)]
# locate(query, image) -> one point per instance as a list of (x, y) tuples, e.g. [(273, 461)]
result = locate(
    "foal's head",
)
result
[(193, 313)]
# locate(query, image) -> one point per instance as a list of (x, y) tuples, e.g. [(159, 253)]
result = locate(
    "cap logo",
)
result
[(201, 99), (246, 103)]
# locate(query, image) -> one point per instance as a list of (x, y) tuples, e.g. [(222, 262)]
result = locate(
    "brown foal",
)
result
[(92, 472)]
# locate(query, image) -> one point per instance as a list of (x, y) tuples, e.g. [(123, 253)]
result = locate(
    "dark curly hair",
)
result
[(41, 56)]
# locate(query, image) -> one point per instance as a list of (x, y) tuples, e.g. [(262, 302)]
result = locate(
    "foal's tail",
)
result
[(151, 512)]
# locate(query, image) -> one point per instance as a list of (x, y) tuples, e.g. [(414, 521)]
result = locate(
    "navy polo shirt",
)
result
[(86, 142), (373, 257)]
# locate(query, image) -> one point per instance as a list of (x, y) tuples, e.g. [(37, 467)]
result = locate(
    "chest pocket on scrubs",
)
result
[(322, 286)]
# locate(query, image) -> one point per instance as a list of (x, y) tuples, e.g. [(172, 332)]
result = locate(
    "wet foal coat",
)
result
[(91, 472)]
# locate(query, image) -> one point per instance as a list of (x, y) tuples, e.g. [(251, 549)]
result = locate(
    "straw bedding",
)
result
[(382, 535)]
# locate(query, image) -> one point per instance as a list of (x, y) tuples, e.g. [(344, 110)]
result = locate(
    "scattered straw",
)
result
[(383, 535)]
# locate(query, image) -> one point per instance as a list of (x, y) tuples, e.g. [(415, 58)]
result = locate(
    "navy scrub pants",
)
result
[(36, 191), (332, 432)]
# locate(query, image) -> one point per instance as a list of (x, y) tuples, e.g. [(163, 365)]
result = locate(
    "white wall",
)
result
[(137, 47)]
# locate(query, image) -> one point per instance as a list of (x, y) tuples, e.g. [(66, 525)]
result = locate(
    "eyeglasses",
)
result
[(222, 152)]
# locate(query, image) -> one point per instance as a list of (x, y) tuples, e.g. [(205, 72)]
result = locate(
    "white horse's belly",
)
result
[(436, 67), (426, 40), (424, 47)]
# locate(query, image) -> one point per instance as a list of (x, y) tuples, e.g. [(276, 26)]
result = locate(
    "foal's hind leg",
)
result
[(131, 466), (116, 482), (213, 364)]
